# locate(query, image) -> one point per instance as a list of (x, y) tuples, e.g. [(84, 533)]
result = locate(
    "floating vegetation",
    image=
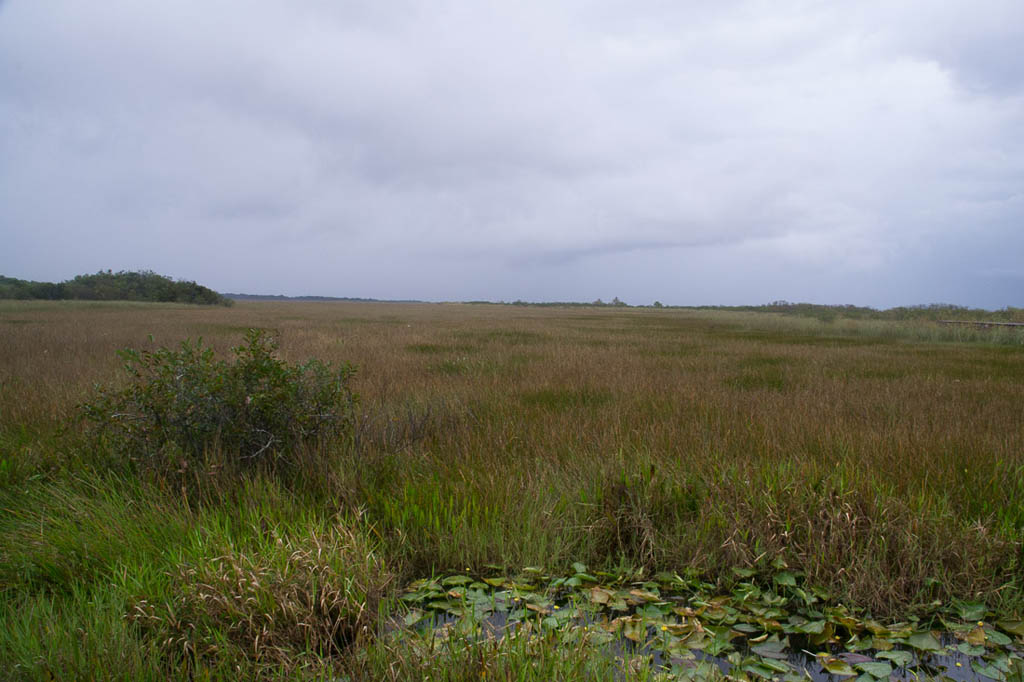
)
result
[(775, 628)]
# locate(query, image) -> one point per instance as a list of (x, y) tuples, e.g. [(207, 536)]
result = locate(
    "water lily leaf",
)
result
[(860, 644), (746, 628), (456, 580), (634, 630), (743, 572), (696, 640), (806, 598), (715, 613), (785, 578), (1014, 627), (814, 627), (997, 638), (1001, 662), (585, 577), (837, 666), (643, 595), (614, 625), (718, 645), (987, 670), (599, 595), (879, 670), (777, 666), (876, 628), (826, 636), (924, 641), (970, 650), (976, 637), (971, 611), (651, 612), (882, 644), (550, 623), (900, 657), (537, 608), (495, 582), (579, 567), (414, 616), (618, 604), (773, 648), (759, 670)]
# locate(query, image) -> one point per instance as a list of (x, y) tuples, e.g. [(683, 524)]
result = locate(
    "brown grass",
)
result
[(887, 468)]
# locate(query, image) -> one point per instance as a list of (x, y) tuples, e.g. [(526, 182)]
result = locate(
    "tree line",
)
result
[(144, 285)]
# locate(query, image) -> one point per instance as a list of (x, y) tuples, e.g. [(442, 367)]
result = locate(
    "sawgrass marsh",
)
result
[(883, 462)]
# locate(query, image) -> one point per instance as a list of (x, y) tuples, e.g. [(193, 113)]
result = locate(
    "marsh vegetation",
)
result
[(869, 473)]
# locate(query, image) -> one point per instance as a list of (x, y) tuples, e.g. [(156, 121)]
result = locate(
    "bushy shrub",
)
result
[(255, 410)]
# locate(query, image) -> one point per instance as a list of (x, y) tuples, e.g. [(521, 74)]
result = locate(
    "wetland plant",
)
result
[(181, 404)]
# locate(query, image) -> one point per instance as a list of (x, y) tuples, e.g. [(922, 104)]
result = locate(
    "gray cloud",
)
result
[(689, 152)]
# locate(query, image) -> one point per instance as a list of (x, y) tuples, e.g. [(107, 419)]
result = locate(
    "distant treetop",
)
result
[(144, 285)]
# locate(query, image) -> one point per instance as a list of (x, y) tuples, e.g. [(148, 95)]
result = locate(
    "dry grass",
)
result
[(291, 600)]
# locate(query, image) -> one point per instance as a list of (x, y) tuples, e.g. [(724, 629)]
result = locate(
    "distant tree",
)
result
[(114, 286), (657, 304)]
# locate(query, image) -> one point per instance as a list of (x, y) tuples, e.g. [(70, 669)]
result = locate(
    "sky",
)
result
[(734, 152)]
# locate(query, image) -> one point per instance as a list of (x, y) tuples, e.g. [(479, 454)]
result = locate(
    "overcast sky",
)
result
[(866, 152)]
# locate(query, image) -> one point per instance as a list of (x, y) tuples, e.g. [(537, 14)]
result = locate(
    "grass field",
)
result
[(882, 462)]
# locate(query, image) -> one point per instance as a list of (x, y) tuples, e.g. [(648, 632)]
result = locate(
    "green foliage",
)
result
[(257, 409), (114, 286)]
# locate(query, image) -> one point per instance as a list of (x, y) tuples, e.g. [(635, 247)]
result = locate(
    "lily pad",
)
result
[(837, 666), (414, 616), (976, 637), (924, 641), (987, 670), (997, 638), (759, 670), (968, 649), (1014, 627), (454, 580), (785, 578), (970, 611), (878, 669), (900, 657), (773, 648)]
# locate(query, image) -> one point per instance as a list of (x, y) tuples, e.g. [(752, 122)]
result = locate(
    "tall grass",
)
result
[(885, 460)]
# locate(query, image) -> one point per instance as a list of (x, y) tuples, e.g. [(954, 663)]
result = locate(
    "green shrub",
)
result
[(256, 410)]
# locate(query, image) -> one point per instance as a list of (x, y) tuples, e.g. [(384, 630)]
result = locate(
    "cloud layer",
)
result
[(693, 153)]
